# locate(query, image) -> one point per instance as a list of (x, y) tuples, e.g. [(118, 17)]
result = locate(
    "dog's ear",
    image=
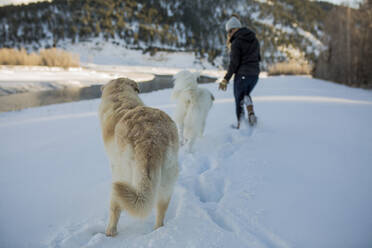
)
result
[(135, 87), (196, 75), (212, 96)]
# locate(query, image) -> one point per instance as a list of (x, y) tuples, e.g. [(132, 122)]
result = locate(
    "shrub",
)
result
[(9, 56), (289, 68), (46, 57), (57, 57)]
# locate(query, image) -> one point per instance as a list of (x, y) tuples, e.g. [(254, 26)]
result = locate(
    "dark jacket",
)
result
[(245, 54)]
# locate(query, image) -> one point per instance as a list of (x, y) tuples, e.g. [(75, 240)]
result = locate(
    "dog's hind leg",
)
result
[(169, 176), (162, 207), (190, 144), (179, 118), (202, 128), (114, 218), (180, 134)]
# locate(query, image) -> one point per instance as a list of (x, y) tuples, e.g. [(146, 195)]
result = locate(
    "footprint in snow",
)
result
[(220, 220), (209, 190), (92, 234), (79, 235)]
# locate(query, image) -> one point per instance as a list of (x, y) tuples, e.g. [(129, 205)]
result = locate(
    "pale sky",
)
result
[(5, 2), (344, 1)]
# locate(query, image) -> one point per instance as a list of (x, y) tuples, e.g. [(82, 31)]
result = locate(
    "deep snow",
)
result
[(301, 178)]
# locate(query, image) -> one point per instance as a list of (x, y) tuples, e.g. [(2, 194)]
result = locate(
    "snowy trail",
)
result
[(301, 178), (314, 99)]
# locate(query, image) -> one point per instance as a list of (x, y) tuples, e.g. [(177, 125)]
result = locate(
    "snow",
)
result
[(315, 44), (301, 178), (101, 52), (16, 79), (100, 62), (18, 2)]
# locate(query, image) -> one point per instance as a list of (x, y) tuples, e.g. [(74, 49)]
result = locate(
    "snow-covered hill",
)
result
[(17, 2), (286, 29), (301, 178)]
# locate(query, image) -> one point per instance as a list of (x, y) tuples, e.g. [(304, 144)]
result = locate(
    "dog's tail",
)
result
[(138, 200), (212, 96)]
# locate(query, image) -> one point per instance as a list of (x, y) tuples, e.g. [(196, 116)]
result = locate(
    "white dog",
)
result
[(142, 145), (193, 105)]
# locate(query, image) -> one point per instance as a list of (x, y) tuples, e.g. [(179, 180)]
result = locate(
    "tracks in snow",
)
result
[(203, 194), (203, 174)]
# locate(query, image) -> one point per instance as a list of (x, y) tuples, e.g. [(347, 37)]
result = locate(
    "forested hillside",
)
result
[(347, 58), (286, 28)]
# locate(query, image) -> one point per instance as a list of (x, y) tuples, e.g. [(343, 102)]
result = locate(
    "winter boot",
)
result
[(252, 119)]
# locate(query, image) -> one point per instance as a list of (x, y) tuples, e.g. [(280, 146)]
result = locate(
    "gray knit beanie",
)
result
[(233, 23)]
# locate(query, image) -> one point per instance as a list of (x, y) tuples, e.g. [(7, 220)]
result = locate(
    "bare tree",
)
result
[(348, 57)]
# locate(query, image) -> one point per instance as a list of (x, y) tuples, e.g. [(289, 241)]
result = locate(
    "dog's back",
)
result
[(142, 144), (152, 136), (201, 99), (193, 105)]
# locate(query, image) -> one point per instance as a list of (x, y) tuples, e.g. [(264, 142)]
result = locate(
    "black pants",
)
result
[(243, 86)]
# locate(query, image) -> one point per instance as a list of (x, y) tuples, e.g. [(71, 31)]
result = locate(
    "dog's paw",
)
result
[(111, 232), (158, 226)]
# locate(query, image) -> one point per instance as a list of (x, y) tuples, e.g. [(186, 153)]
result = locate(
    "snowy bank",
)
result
[(301, 178)]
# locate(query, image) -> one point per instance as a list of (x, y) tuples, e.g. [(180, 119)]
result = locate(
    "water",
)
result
[(70, 94)]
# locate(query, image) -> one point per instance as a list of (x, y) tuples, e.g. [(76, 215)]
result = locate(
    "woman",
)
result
[(244, 63)]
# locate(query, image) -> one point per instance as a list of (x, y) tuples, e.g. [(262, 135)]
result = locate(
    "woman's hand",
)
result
[(223, 85)]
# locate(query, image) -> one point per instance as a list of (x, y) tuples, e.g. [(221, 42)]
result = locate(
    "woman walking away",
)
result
[(244, 63)]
